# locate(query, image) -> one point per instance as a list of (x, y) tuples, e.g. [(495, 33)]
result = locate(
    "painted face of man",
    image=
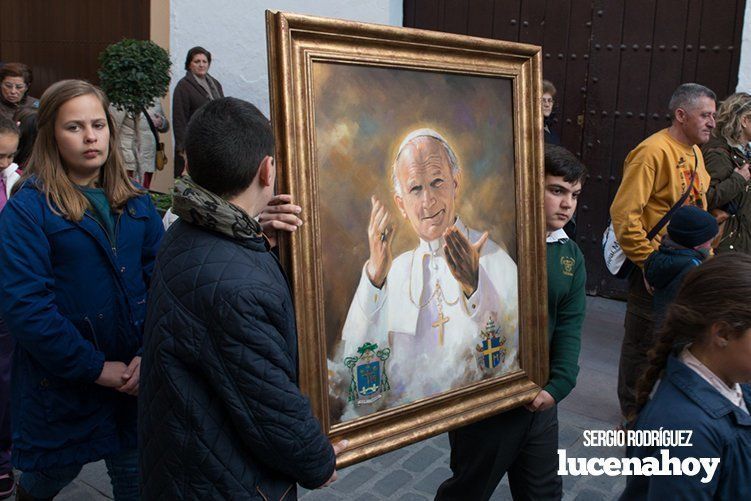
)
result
[(427, 187)]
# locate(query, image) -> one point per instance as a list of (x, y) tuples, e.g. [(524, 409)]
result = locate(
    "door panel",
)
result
[(599, 132), (572, 90), (615, 65), (64, 39), (506, 19), (480, 18)]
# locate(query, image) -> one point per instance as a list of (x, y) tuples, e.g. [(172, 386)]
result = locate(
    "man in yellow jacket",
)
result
[(656, 174)]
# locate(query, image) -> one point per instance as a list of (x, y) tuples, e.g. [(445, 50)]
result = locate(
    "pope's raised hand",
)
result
[(463, 258), (380, 236)]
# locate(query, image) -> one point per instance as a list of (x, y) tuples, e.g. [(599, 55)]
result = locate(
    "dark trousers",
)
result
[(519, 442), (638, 338), (122, 468), (6, 357)]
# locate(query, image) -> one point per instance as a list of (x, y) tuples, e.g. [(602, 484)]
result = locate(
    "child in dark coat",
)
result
[(690, 234)]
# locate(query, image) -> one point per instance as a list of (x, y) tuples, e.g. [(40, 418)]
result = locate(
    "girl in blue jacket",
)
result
[(703, 359), (79, 241)]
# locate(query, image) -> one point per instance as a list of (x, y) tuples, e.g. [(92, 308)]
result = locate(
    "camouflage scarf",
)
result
[(203, 208)]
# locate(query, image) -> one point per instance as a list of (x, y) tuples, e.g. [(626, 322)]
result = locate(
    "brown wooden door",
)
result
[(615, 65), (641, 50), (63, 39)]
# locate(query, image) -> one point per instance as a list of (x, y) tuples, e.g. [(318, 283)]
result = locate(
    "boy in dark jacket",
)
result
[(524, 441), (690, 234), (221, 415)]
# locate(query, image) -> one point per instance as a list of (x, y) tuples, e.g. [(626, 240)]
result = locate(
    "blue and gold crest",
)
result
[(368, 369), (492, 350)]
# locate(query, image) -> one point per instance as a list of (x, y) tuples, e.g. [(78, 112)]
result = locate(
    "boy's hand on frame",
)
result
[(279, 215), (542, 402), (338, 448)]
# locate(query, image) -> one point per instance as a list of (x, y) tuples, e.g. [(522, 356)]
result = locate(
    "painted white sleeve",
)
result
[(482, 300), (497, 272), (366, 315)]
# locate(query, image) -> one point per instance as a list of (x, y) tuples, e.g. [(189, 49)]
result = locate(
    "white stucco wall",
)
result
[(234, 31), (744, 69)]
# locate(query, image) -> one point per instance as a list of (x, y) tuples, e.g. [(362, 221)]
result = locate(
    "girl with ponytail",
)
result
[(696, 381)]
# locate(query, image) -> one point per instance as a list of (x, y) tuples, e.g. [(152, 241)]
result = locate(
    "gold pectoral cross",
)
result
[(440, 323)]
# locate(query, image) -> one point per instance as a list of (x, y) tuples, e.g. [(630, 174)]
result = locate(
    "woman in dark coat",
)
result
[(78, 247), (548, 100), (194, 90), (727, 156)]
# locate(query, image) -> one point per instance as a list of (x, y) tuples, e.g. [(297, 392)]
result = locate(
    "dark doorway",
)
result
[(63, 39), (615, 65)]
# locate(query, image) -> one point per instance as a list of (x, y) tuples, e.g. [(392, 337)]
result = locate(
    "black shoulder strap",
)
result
[(151, 125), (662, 222)]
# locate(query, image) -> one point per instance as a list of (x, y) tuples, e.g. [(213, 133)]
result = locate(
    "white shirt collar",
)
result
[(9, 170), (734, 394), (436, 246), (556, 236)]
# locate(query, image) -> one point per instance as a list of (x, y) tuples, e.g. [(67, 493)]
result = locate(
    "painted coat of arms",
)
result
[(368, 370), (492, 351)]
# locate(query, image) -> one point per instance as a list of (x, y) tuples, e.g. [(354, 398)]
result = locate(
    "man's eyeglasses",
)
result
[(546, 100), (11, 86)]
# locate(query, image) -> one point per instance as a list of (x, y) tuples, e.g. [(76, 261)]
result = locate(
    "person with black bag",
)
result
[(140, 147), (664, 172)]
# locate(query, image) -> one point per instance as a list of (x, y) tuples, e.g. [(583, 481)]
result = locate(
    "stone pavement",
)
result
[(416, 471)]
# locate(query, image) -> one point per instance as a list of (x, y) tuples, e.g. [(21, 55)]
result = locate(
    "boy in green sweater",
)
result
[(524, 441)]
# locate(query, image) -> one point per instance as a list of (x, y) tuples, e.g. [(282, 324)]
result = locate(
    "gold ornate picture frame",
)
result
[(419, 353)]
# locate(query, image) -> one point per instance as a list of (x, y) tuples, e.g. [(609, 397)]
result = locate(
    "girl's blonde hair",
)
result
[(45, 163), (729, 116)]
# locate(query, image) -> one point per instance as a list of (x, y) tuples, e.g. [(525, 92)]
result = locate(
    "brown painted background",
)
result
[(361, 116)]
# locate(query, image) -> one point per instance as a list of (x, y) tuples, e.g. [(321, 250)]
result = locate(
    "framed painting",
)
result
[(419, 274)]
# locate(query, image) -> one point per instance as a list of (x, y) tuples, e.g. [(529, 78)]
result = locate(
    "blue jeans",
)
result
[(122, 468)]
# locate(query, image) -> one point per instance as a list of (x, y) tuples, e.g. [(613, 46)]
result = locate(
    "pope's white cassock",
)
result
[(432, 328)]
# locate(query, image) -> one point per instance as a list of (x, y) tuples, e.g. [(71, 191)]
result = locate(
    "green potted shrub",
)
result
[(162, 201), (133, 74)]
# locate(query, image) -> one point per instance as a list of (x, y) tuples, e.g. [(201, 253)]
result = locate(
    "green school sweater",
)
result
[(566, 305), (101, 209)]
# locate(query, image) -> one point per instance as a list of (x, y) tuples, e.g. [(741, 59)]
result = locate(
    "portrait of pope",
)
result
[(443, 314)]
